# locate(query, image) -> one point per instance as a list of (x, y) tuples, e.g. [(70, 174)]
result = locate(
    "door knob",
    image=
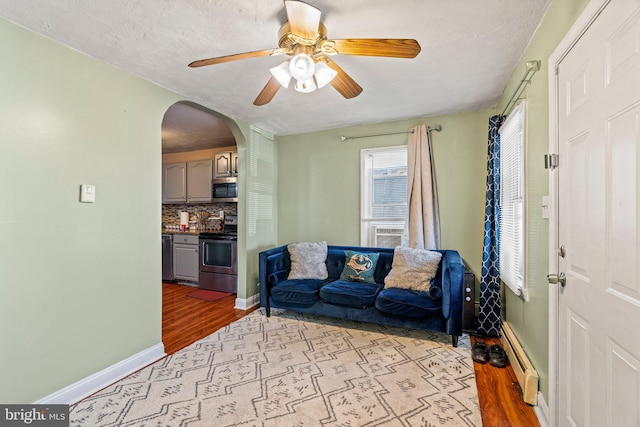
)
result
[(557, 278)]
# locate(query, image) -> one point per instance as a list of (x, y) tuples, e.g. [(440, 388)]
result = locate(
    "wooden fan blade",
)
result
[(343, 82), (268, 92), (303, 18), (395, 48), (229, 58)]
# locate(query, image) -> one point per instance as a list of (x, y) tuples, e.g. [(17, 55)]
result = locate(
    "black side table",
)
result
[(469, 323)]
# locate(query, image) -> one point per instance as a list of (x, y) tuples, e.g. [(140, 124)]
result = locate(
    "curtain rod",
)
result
[(532, 68), (343, 138)]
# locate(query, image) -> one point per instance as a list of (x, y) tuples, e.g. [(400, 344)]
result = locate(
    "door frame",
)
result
[(580, 26)]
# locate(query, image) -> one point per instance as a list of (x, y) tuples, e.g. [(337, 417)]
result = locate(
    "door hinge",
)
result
[(551, 161)]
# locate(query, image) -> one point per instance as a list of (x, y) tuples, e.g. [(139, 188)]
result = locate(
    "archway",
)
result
[(192, 133)]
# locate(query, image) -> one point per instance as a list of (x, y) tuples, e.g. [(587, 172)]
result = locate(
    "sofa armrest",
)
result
[(452, 290), (276, 277), (271, 261)]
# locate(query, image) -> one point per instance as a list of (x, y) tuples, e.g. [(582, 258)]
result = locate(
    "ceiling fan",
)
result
[(304, 38)]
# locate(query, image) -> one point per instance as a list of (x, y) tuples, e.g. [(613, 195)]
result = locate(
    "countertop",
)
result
[(221, 235), (165, 231), (193, 233)]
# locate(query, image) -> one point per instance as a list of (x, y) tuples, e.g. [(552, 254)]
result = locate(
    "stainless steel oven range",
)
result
[(219, 258)]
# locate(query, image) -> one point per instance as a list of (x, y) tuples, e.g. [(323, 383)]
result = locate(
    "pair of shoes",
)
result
[(480, 352), (497, 356)]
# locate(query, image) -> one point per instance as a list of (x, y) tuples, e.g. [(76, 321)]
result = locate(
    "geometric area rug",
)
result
[(297, 370)]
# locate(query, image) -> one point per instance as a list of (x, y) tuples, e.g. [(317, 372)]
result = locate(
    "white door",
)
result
[(599, 222)]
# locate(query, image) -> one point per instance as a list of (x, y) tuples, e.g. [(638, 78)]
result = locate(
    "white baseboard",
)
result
[(542, 411), (85, 387), (247, 303)]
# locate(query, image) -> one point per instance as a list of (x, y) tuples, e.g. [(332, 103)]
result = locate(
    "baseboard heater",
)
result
[(522, 367)]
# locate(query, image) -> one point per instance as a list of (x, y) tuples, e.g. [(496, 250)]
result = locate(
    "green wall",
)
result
[(79, 287), (79, 283), (530, 320), (319, 181), (257, 209)]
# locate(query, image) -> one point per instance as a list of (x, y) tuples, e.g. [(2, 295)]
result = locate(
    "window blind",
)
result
[(512, 200), (260, 167)]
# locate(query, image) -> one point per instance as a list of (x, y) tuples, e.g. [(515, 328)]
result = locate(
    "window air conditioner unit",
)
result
[(386, 236)]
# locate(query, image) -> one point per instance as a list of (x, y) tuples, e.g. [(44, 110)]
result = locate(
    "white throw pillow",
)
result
[(412, 269), (308, 260)]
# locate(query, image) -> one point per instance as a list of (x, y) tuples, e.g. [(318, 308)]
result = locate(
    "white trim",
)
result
[(553, 240), (247, 303), (584, 21), (542, 411), (87, 386)]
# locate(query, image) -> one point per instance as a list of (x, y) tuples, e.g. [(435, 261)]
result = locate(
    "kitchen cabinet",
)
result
[(225, 164), (174, 182), (199, 175), (187, 182), (186, 261)]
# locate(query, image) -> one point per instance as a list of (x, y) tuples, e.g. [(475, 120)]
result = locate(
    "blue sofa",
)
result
[(440, 309)]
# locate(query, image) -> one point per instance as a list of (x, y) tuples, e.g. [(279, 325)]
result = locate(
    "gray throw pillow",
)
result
[(308, 260), (412, 269)]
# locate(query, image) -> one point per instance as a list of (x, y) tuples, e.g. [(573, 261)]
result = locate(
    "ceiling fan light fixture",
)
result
[(281, 74), (324, 74), (304, 38), (302, 67), (305, 86)]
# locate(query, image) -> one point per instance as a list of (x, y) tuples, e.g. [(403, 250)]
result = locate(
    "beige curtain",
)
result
[(422, 229)]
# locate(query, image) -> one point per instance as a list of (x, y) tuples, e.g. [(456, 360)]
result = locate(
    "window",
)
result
[(512, 200), (260, 175), (384, 196)]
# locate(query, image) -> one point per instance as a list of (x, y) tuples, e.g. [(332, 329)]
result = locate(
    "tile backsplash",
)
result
[(171, 213)]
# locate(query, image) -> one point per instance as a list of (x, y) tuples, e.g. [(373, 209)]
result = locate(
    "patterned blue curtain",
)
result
[(489, 322)]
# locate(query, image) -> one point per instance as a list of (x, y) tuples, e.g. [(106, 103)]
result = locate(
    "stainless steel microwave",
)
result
[(224, 189)]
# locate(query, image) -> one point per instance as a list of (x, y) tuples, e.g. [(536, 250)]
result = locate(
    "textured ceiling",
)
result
[(469, 50), (186, 127)]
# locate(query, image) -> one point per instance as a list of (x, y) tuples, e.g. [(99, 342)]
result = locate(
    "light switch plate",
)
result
[(87, 193)]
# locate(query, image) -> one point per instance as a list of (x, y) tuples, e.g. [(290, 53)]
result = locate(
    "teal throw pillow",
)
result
[(359, 267)]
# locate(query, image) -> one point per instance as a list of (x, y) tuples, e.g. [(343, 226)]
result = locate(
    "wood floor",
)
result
[(186, 320), (498, 395)]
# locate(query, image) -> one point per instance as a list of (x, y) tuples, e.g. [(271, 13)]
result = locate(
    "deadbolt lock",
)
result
[(562, 251)]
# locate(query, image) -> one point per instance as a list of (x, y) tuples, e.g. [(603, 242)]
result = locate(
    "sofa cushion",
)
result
[(298, 291), (350, 294), (359, 267), (412, 269), (308, 260), (410, 303)]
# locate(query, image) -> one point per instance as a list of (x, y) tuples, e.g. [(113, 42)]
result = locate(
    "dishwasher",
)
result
[(167, 258)]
